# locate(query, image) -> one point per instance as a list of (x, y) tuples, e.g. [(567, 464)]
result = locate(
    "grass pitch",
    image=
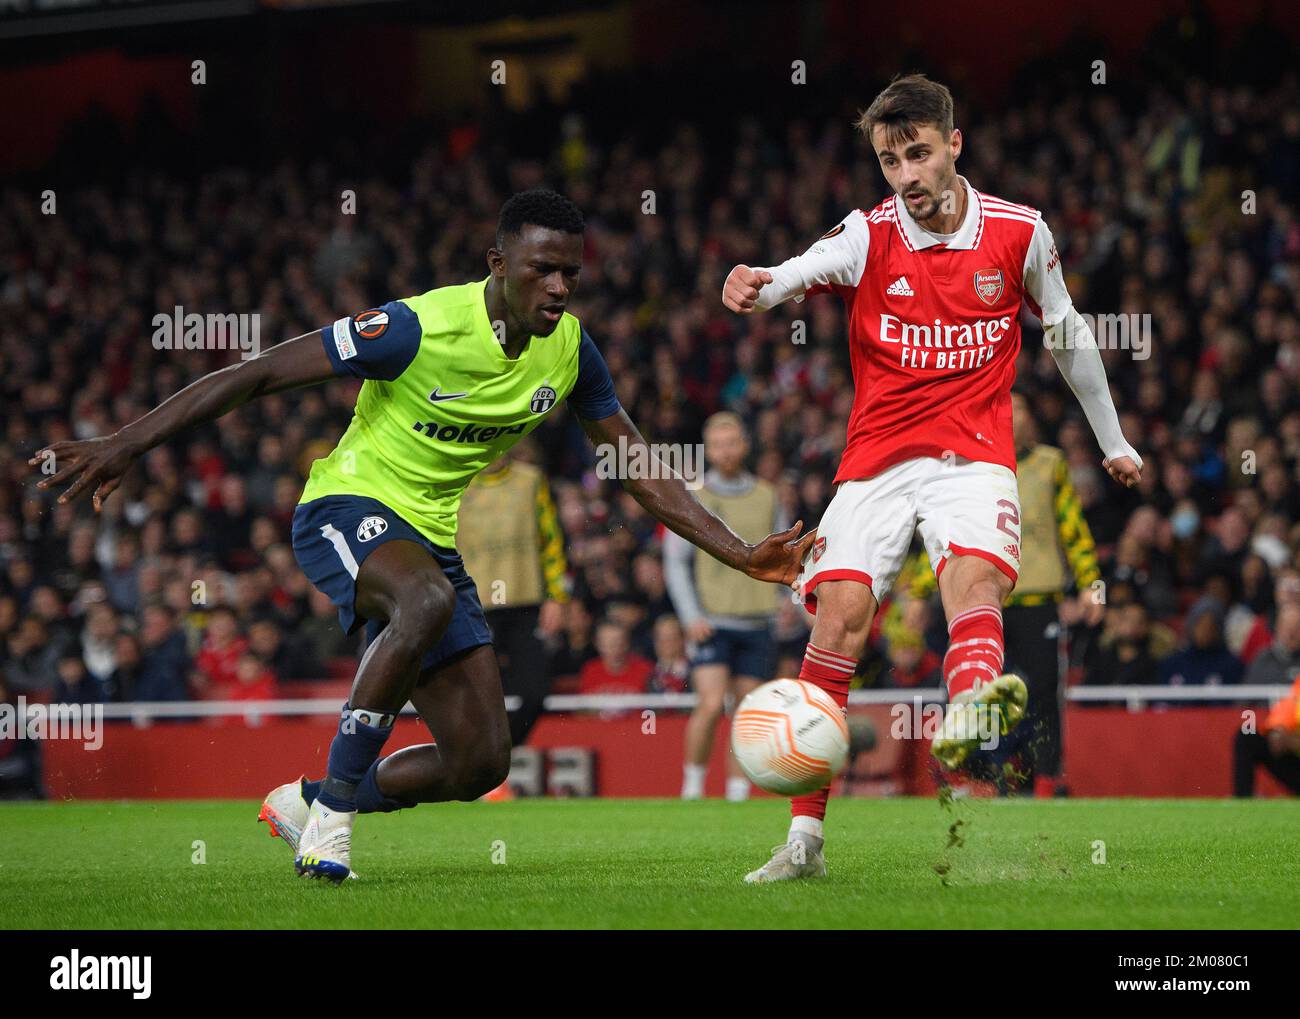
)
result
[(651, 863)]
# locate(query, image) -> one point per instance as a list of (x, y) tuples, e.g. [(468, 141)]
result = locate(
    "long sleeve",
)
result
[(837, 258), (1075, 350), (1072, 343), (679, 577)]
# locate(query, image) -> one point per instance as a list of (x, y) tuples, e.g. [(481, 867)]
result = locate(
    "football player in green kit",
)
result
[(453, 378)]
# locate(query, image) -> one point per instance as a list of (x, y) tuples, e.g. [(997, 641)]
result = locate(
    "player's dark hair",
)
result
[(539, 207), (907, 103)]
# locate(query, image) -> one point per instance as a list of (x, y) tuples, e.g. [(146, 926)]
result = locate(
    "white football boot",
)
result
[(286, 812), (976, 718), (794, 859), (325, 847)]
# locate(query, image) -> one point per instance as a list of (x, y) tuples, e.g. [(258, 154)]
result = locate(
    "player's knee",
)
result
[(709, 707), (845, 632), (844, 613), (423, 613), (487, 769)]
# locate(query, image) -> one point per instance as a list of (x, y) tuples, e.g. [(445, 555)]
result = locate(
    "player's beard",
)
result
[(927, 211), (934, 203)]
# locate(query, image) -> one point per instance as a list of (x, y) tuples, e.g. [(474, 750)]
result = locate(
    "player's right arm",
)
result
[(390, 343), (838, 258), (101, 462)]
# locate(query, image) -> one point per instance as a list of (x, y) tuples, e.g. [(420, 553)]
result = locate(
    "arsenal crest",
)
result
[(988, 285), (818, 548)]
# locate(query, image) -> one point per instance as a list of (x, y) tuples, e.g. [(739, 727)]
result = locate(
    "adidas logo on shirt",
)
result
[(899, 288)]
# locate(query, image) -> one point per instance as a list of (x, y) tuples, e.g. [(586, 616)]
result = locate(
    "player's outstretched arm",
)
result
[(837, 258), (776, 558), (1073, 346), (1075, 351), (99, 463)]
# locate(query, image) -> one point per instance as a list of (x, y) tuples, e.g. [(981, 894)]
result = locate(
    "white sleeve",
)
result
[(679, 577), (839, 256), (1075, 350), (1044, 282)]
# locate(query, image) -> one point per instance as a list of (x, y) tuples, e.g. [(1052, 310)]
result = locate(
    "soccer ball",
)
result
[(790, 737)]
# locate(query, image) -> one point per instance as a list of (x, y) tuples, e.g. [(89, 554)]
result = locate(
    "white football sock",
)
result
[(737, 788), (693, 781), (807, 826)]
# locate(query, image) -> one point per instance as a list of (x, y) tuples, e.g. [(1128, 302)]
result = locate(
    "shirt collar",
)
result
[(917, 238)]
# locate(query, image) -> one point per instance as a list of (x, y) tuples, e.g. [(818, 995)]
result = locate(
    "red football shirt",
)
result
[(934, 325)]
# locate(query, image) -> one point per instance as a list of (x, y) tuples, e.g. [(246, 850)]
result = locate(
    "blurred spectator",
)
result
[(672, 670), (33, 658), (164, 664), (217, 663), (1279, 663), (254, 681), (576, 647), (1205, 661), (911, 663), (319, 638), (99, 642), (727, 616), (1128, 649), (76, 685), (616, 669)]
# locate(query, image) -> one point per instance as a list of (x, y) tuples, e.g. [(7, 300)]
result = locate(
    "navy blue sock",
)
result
[(355, 748), (370, 800), (310, 790)]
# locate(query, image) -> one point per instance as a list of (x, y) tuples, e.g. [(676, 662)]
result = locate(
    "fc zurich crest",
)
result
[(989, 285), (543, 400), (371, 527)]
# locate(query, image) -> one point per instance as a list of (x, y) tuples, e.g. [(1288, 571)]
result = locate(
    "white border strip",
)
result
[(1132, 696)]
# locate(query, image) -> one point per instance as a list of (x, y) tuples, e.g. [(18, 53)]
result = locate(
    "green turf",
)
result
[(650, 863)]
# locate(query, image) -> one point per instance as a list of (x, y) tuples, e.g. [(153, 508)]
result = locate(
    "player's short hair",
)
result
[(539, 207), (908, 102)]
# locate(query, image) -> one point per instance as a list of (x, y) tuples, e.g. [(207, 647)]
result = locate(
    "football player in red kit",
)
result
[(932, 279)]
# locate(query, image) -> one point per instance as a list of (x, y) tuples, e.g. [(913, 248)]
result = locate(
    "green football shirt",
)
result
[(441, 401)]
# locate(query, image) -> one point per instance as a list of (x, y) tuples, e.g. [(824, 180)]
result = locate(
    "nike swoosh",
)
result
[(438, 396)]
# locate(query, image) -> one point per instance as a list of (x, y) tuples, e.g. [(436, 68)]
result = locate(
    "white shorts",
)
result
[(960, 506)]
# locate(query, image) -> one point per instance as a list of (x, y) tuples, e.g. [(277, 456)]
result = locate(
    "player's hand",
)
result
[(740, 291), (550, 618), (1123, 470), (88, 463), (698, 632), (1091, 611), (778, 558)]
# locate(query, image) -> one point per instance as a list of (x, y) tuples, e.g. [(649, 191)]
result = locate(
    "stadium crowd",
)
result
[(185, 585)]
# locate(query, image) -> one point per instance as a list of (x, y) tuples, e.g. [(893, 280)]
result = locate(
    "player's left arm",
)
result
[(1074, 347), (777, 558)]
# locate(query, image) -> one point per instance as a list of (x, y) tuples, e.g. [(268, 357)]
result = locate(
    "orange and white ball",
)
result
[(790, 737)]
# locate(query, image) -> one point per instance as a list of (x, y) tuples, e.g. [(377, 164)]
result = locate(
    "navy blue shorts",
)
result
[(744, 652), (332, 537)]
